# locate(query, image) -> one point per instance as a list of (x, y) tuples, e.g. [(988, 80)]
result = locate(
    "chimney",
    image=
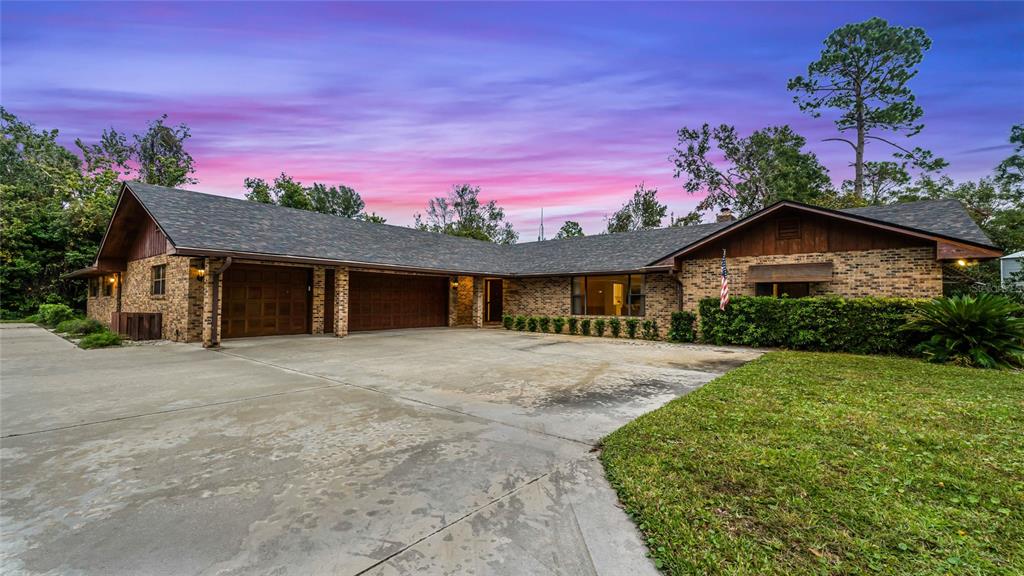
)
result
[(725, 216)]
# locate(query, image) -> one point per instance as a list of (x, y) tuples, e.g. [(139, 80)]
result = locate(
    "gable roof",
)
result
[(198, 224)]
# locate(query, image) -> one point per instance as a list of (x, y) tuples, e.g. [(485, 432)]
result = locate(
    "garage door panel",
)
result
[(265, 300), (389, 301)]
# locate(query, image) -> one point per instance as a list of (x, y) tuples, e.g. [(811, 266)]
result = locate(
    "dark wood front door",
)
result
[(265, 300), (495, 304), (329, 301), (388, 301)]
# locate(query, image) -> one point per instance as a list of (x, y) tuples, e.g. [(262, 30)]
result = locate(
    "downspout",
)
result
[(215, 302)]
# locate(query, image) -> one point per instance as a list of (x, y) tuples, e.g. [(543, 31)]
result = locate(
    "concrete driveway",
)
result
[(438, 451)]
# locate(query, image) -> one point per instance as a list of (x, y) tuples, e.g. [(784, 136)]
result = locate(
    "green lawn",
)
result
[(803, 463)]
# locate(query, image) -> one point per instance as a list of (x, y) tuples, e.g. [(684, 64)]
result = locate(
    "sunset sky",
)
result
[(560, 106)]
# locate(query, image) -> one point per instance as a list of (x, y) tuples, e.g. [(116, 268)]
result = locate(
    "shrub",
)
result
[(681, 329), (585, 327), (52, 314), (558, 323), (100, 339), (631, 325), (986, 331), (79, 326), (616, 326), (824, 324), (650, 330), (599, 326), (33, 319), (520, 322), (507, 321), (574, 324), (531, 323), (545, 323)]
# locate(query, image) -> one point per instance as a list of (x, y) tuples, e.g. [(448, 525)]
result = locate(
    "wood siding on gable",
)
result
[(148, 241), (803, 234)]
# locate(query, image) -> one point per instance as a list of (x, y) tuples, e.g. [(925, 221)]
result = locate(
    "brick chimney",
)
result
[(725, 216)]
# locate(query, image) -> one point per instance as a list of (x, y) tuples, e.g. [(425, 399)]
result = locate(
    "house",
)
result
[(1010, 265), (216, 267)]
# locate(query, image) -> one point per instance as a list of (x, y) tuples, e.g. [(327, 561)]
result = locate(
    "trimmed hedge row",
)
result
[(681, 329), (824, 324)]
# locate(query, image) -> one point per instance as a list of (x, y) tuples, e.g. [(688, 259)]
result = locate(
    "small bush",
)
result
[(599, 326), (79, 326), (631, 325), (531, 323), (100, 339), (545, 323), (650, 330), (558, 324), (820, 323), (681, 329), (52, 314), (574, 324), (985, 331), (507, 321), (616, 326), (585, 327), (520, 322), (33, 319)]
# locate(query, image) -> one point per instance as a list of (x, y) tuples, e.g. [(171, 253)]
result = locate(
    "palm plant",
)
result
[(986, 331)]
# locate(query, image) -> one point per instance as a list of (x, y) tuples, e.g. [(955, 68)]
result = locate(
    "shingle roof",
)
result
[(942, 217), (201, 222)]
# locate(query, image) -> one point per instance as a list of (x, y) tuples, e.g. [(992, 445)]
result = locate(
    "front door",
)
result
[(494, 304)]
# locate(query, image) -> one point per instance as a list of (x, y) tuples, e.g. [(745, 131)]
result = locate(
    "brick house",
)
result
[(214, 267)]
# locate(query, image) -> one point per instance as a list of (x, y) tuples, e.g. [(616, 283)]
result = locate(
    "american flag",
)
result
[(723, 299)]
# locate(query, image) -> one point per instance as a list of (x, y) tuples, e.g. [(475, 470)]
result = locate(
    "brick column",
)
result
[(209, 315), (453, 300), (340, 302), (478, 302), (318, 301)]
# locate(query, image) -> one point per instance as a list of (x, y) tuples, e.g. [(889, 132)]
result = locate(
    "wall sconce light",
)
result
[(112, 279), (455, 284), (961, 262), (200, 272)]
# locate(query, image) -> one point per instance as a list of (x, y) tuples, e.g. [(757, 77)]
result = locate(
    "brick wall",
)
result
[(464, 301), (319, 277), (896, 272), (179, 298), (552, 296), (101, 307)]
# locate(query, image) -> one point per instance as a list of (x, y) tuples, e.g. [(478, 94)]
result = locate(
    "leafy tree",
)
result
[(258, 191), (461, 213), (38, 179), (373, 217), (763, 168), (337, 200), (862, 72), (161, 156), (1010, 172), (571, 229), (290, 193), (641, 212), (690, 219)]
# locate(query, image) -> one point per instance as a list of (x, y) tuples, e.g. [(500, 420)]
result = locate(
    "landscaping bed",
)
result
[(814, 463)]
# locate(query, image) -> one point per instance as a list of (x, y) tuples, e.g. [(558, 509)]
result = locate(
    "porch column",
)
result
[(340, 302), (453, 301), (478, 301), (211, 316), (318, 301)]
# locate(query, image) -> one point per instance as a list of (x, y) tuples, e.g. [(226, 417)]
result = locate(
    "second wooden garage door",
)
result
[(265, 300), (388, 301)]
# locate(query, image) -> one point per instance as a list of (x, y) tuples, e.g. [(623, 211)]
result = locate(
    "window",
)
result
[(784, 289), (788, 229), (108, 284), (159, 280), (621, 295), (94, 287)]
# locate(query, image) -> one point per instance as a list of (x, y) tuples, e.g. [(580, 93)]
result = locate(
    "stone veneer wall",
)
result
[(897, 272), (100, 308), (552, 296), (182, 295), (464, 302)]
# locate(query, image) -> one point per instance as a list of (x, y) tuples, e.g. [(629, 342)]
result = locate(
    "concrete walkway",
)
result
[(423, 451)]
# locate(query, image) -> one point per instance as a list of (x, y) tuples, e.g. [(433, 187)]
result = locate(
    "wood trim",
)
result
[(957, 251), (808, 272)]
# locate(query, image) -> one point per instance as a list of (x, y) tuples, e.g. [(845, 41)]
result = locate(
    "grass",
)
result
[(806, 463), (101, 339)]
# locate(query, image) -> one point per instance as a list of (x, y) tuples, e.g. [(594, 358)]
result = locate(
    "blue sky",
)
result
[(561, 106)]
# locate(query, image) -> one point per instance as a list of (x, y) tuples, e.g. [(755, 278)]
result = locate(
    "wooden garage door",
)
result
[(387, 301), (265, 300)]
